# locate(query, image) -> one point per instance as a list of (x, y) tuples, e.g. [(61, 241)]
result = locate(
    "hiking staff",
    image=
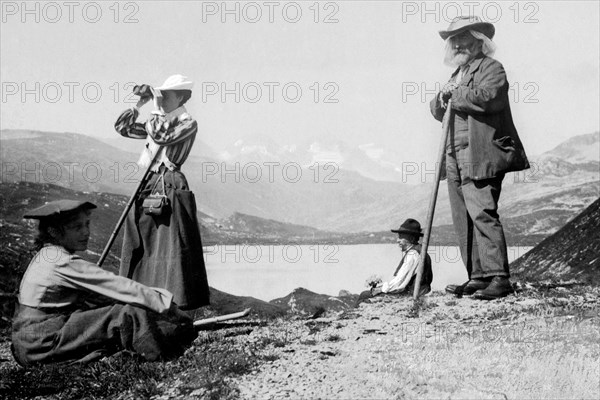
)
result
[(433, 198), (130, 203)]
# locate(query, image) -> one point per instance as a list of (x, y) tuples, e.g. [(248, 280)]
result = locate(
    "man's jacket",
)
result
[(494, 145)]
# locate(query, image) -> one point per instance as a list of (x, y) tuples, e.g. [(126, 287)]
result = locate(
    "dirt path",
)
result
[(378, 351)]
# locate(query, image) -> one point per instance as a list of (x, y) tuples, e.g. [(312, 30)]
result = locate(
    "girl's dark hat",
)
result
[(57, 207), (461, 24), (410, 226)]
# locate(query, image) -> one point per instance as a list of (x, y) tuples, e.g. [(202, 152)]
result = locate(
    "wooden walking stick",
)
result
[(433, 198)]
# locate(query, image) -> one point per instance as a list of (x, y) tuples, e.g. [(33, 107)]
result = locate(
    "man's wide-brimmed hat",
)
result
[(411, 227), (176, 82), (461, 24), (58, 207)]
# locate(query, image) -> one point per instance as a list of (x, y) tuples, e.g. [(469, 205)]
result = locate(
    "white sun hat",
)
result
[(176, 82)]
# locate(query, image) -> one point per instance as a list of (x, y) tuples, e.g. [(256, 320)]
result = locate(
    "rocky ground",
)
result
[(543, 342), (389, 349)]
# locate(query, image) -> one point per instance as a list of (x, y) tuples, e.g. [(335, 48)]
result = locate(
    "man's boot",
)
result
[(474, 285), (456, 289), (499, 287), (467, 288)]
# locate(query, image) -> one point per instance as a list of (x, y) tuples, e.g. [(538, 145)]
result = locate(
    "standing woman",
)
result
[(162, 246)]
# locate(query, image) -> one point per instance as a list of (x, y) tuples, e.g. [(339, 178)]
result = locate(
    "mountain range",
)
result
[(257, 177)]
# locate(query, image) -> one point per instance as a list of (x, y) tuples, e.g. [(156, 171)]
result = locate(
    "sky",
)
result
[(361, 72)]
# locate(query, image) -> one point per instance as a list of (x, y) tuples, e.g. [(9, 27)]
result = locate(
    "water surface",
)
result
[(269, 272)]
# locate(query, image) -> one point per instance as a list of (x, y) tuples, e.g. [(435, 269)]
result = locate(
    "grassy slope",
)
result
[(572, 253), (542, 343)]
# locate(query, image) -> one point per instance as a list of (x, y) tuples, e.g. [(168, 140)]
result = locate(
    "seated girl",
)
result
[(70, 310)]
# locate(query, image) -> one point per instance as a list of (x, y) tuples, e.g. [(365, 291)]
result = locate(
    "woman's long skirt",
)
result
[(165, 251)]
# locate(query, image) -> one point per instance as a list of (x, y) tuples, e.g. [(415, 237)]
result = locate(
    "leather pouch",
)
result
[(156, 203)]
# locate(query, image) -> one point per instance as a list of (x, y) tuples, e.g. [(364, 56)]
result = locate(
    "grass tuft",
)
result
[(204, 370), (334, 338)]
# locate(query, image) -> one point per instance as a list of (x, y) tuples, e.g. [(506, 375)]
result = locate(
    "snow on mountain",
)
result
[(375, 161), (322, 154), (256, 148), (370, 160)]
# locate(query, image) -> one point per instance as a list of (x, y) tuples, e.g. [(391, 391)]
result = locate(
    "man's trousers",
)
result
[(474, 207)]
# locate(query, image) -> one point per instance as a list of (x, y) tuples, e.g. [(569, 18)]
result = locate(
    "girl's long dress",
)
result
[(165, 251)]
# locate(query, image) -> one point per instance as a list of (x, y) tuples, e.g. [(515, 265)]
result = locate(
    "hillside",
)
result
[(70, 160), (572, 253)]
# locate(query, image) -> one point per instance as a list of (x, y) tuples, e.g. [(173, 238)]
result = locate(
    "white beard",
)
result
[(458, 59)]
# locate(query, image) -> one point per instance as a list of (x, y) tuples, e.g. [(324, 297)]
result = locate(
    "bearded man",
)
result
[(482, 147)]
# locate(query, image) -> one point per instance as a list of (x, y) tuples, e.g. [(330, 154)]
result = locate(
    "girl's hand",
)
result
[(141, 102)]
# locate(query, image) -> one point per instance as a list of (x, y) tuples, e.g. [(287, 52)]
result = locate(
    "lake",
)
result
[(273, 271)]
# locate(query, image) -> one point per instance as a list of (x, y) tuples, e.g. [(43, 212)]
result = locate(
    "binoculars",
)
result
[(143, 91)]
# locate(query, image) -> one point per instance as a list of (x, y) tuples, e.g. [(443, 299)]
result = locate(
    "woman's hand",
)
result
[(144, 92), (141, 102)]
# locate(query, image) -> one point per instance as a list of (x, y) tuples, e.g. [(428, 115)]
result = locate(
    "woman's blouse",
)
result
[(57, 279), (172, 135)]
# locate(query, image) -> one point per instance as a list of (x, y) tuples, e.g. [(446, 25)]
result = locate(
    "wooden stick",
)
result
[(433, 198), (220, 318)]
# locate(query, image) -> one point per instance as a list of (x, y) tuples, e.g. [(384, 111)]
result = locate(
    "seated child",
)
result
[(70, 310), (403, 281)]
